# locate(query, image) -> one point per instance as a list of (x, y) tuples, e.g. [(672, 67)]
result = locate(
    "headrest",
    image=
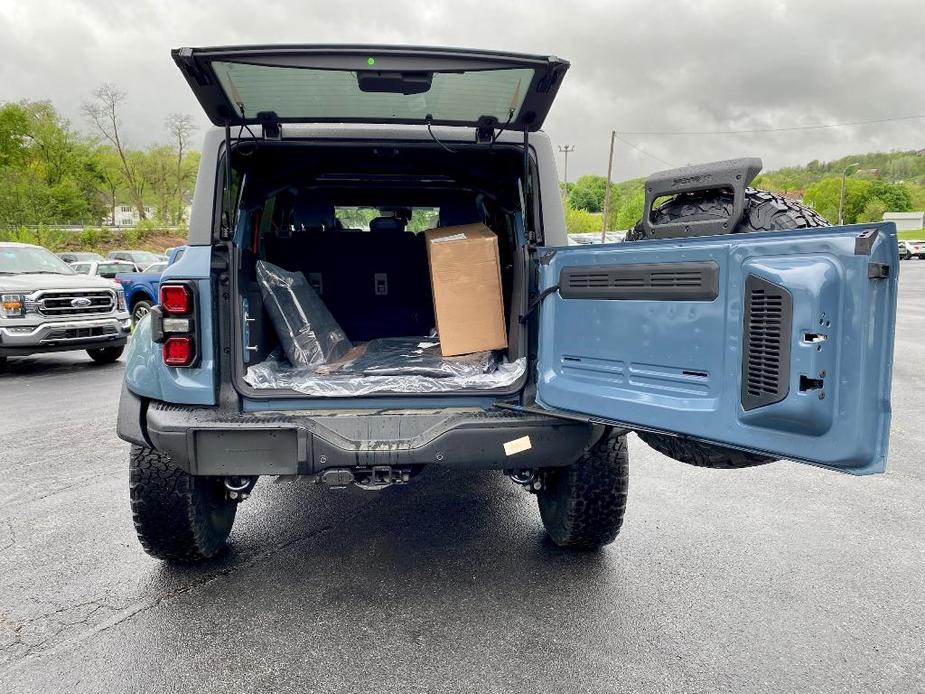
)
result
[(308, 213), (386, 224), (456, 211)]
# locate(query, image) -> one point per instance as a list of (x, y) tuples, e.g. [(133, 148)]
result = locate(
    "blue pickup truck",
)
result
[(141, 287)]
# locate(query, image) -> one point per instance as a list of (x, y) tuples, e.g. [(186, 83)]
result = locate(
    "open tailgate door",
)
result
[(777, 343), (371, 84)]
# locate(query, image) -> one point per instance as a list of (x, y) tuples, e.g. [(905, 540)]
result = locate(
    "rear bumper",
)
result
[(206, 441), (62, 336)]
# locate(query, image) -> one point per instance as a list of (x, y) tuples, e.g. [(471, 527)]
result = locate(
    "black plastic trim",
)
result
[(682, 281), (733, 174), (208, 441), (130, 425), (766, 333), (864, 242), (70, 346)]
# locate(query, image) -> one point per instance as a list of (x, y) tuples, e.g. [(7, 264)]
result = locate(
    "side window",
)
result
[(82, 268)]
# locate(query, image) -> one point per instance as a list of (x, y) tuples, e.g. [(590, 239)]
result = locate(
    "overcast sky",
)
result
[(637, 65)]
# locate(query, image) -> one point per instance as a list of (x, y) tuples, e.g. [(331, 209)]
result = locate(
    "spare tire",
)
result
[(763, 212)]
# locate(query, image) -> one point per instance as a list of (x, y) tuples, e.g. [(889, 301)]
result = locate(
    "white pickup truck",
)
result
[(46, 306)]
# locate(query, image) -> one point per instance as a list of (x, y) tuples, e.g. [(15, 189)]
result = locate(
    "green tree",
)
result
[(628, 212), (824, 197), (577, 221), (46, 168), (104, 113), (895, 198), (873, 211), (14, 135), (180, 127), (588, 193)]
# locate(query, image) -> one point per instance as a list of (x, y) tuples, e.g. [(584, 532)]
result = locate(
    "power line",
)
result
[(769, 130), (640, 149)]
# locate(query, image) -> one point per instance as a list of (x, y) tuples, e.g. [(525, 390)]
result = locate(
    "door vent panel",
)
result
[(766, 339), (684, 281)]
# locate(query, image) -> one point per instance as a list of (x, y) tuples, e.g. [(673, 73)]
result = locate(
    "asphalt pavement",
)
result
[(778, 578)]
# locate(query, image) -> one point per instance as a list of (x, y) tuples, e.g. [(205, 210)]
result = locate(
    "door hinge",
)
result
[(878, 271)]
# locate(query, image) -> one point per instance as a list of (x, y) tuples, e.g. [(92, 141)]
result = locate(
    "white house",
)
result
[(127, 215), (906, 221)]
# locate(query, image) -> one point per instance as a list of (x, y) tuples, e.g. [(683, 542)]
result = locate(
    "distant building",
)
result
[(906, 221), (127, 215)]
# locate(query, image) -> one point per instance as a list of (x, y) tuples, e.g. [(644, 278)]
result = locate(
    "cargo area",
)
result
[(341, 250)]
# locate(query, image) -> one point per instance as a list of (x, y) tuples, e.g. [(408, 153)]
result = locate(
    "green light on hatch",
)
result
[(370, 61)]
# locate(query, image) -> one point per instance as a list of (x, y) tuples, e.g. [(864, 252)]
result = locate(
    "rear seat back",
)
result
[(376, 283)]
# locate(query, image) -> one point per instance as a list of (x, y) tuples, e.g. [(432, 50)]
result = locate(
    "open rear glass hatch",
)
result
[(371, 84)]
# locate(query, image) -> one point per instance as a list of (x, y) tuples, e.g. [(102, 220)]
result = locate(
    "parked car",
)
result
[(140, 258), (46, 306), (914, 249), (140, 287), (77, 257), (732, 328), (106, 268)]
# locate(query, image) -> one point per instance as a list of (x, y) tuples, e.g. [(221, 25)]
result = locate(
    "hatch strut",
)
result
[(528, 189), (225, 229)]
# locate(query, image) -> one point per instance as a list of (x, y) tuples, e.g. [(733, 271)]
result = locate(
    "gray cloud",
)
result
[(636, 65)]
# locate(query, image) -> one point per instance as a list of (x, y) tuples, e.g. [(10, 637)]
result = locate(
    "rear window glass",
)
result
[(110, 270), (312, 94), (421, 218)]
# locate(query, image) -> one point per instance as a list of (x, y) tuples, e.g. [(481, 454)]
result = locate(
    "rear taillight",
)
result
[(179, 350), (176, 323), (176, 299)]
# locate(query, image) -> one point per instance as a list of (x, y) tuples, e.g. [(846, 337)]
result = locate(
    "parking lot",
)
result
[(776, 578)]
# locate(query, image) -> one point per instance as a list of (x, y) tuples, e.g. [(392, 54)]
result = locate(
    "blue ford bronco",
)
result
[(733, 328)]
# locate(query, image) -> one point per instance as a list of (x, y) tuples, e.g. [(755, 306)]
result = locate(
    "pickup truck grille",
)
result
[(76, 303)]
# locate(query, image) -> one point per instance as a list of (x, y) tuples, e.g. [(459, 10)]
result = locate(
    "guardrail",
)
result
[(76, 229)]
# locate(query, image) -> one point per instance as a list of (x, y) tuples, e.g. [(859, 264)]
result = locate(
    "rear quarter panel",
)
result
[(145, 372)]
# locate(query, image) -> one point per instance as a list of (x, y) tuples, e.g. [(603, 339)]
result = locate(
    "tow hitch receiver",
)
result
[(371, 479)]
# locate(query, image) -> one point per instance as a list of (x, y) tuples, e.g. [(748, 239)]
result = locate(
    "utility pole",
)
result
[(613, 135), (841, 197), (565, 149)]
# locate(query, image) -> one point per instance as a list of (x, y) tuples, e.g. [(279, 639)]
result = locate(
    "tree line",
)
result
[(878, 182), (54, 173)]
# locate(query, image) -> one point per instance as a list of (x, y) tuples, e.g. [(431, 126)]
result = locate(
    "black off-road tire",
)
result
[(763, 212), (106, 355), (702, 454), (180, 518), (582, 505)]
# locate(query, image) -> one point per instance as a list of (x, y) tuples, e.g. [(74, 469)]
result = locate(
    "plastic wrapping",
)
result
[(416, 356), (306, 329), (276, 373)]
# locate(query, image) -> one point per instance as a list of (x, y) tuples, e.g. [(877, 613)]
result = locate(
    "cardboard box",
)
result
[(465, 277)]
